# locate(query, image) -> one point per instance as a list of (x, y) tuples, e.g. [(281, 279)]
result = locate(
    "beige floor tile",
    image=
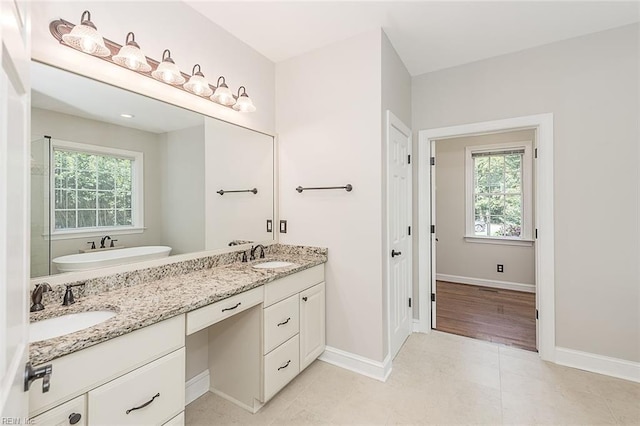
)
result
[(440, 379), (298, 416), (569, 408), (623, 398)]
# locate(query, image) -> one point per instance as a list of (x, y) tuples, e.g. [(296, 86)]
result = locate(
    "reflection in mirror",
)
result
[(113, 171)]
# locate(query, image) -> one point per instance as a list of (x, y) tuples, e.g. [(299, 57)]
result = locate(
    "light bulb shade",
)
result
[(85, 37), (244, 104), (130, 56), (223, 95), (198, 85), (168, 72)]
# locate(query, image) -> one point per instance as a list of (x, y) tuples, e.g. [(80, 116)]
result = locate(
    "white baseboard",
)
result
[(358, 364), (196, 387), (601, 364), (416, 326), (505, 285)]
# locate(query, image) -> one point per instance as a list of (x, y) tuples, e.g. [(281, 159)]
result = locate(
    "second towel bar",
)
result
[(347, 188), (222, 191)]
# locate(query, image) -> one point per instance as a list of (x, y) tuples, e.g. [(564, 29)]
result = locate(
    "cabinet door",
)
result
[(312, 324)]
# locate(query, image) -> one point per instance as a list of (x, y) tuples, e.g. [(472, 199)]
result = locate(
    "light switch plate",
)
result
[(269, 225), (283, 226)]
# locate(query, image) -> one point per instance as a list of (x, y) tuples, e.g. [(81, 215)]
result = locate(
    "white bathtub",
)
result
[(100, 259)]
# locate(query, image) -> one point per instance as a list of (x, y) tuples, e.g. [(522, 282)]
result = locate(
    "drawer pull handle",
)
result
[(284, 322), (232, 308), (145, 404), (284, 366), (74, 418), (305, 298)]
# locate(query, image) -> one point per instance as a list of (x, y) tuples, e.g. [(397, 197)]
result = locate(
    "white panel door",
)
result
[(398, 237), (14, 212)]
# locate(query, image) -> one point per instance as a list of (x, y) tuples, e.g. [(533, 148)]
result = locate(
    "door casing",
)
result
[(544, 202)]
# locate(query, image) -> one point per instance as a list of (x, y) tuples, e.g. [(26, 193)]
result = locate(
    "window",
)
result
[(95, 189), (499, 196)]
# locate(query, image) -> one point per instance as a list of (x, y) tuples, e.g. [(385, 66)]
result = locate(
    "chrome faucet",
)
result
[(102, 241), (252, 254), (36, 296)]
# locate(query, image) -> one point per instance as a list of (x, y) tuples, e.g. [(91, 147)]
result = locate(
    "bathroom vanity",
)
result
[(264, 326)]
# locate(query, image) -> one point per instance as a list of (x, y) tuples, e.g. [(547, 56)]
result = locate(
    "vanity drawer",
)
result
[(159, 384), (64, 414), (292, 284), (281, 322), (280, 366), (216, 312)]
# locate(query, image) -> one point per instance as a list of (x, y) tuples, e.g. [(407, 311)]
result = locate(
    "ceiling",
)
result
[(427, 35), (61, 91)]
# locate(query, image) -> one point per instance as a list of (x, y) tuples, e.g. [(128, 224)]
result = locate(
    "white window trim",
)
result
[(137, 191), (526, 237)]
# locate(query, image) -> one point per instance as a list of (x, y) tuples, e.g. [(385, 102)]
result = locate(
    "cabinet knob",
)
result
[(74, 418), (305, 298)]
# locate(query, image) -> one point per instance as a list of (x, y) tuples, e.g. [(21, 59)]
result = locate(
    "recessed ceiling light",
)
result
[(127, 115)]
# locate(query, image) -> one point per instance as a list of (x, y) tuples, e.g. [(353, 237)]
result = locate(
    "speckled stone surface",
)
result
[(145, 297)]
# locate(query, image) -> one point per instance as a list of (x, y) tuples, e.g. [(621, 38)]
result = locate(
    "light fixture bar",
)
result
[(60, 27)]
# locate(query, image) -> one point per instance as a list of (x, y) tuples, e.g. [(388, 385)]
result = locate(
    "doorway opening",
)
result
[(499, 214), (481, 202)]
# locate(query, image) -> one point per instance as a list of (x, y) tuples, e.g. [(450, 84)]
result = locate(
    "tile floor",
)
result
[(440, 379)]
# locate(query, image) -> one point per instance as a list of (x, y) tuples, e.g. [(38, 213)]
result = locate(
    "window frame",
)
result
[(137, 191), (526, 237)]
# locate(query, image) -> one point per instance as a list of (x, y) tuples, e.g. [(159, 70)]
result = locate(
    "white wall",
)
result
[(75, 129), (328, 105), (183, 189), (590, 84), (396, 97), (162, 25), (454, 255), (237, 159)]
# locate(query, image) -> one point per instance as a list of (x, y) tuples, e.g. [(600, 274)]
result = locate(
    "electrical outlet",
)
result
[(500, 268)]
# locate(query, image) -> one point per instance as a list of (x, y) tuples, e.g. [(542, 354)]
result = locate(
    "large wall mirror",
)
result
[(117, 177)]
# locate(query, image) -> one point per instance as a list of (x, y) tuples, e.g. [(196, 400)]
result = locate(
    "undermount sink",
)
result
[(273, 265), (66, 324)]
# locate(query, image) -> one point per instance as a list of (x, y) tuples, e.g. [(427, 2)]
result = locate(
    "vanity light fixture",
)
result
[(223, 95), (85, 37), (168, 71), (131, 56), (244, 102), (197, 84)]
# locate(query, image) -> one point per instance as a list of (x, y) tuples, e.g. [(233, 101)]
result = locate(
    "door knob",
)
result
[(395, 253)]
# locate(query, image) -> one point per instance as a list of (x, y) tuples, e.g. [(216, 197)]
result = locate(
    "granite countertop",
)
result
[(147, 303)]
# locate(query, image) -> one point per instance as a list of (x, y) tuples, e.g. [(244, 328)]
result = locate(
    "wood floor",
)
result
[(496, 315)]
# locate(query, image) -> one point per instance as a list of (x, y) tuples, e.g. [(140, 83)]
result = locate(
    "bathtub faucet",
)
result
[(102, 241)]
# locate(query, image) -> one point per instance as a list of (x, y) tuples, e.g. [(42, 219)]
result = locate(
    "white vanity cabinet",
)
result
[(294, 327), (103, 381)]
